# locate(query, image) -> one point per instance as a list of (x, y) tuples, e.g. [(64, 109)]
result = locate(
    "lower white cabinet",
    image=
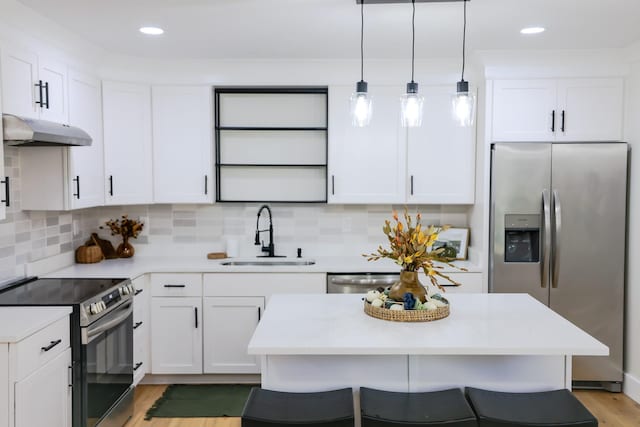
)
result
[(176, 335), (44, 397), (229, 323), (141, 324)]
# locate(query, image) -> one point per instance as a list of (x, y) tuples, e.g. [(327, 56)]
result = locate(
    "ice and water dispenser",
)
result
[(522, 238)]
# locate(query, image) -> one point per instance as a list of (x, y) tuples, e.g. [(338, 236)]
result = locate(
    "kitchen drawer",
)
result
[(176, 285), (471, 283), (29, 354)]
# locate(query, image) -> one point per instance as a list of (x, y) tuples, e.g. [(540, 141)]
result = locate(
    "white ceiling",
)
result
[(330, 28)]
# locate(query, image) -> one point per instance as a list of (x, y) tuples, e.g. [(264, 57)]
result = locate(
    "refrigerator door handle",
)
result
[(557, 211), (546, 227)]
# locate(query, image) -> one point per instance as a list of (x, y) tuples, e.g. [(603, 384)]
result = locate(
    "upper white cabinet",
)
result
[(366, 164), (127, 143), (182, 144), (33, 87), (558, 110), (385, 163), (440, 154), (63, 178)]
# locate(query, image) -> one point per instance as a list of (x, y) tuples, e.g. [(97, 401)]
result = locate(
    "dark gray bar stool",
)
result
[(428, 409), (557, 408), (266, 408)]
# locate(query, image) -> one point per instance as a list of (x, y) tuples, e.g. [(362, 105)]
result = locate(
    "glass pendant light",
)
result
[(411, 102), (463, 101), (361, 105)]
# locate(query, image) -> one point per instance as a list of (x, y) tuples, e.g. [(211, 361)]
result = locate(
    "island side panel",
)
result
[(501, 372)]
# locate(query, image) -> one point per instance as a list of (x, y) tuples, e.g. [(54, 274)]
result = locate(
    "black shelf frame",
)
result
[(270, 90)]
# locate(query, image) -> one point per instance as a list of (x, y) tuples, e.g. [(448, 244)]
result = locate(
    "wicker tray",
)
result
[(407, 315)]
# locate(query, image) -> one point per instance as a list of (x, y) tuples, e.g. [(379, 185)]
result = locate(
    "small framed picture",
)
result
[(457, 238)]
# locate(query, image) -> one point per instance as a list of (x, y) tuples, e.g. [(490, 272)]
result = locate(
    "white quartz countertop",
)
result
[(479, 324), (136, 266), (17, 323)]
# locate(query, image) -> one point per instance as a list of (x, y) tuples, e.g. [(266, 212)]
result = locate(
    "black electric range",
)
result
[(101, 341)]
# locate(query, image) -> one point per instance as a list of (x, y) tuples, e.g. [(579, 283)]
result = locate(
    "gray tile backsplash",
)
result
[(320, 229)]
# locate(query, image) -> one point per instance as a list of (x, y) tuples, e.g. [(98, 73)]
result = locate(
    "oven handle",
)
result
[(99, 327)]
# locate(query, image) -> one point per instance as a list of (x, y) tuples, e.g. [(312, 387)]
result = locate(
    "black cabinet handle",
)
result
[(562, 125), (137, 325), (46, 94), (333, 184), (175, 286), (138, 292), (412, 185), (111, 185), (259, 313), (51, 345), (196, 314), (7, 194), (39, 86), (206, 185), (553, 121), (135, 368), (77, 180)]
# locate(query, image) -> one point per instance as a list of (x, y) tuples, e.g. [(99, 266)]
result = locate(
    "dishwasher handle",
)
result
[(363, 281)]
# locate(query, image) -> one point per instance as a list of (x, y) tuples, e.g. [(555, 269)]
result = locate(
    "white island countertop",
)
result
[(17, 323), (479, 324)]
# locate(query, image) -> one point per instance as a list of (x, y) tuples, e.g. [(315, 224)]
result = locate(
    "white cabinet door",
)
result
[(523, 110), (54, 77), (366, 165), (141, 325), (44, 397), (86, 163), (590, 110), (176, 335), (229, 323), (182, 144), (127, 143), (440, 155), (19, 75), (3, 184)]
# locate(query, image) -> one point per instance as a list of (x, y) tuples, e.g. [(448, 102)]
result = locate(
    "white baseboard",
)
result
[(631, 387)]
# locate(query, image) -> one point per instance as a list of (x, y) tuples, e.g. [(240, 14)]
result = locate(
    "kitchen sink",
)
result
[(269, 262)]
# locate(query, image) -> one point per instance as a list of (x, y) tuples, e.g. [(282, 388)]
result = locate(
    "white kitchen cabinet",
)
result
[(127, 143), (141, 302), (366, 164), (176, 335), (440, 154), (557, 110), (4, 181), (64, 178), (182, 144), (33, 87), (44, 397), (229, 323)]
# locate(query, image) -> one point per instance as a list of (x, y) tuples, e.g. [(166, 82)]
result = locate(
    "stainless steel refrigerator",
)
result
[(558, 232)]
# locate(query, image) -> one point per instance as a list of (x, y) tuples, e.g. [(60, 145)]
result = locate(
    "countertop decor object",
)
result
[(90, 252), (407, 315), (410, 246), (216, 255), (127, 228)]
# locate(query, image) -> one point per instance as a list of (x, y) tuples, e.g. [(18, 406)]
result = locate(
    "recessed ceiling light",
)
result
[(532, 30), (152, 31)]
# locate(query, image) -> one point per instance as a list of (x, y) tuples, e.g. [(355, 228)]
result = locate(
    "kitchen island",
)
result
[(506, 342)]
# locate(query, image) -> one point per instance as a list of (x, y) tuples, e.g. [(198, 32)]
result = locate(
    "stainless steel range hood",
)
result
[(21, 131)]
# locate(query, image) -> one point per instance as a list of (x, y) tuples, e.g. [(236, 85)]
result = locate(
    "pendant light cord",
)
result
[(464, 38), (413, 38), (362, 40)]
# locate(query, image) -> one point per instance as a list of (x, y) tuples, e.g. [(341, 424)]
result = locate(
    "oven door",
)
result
[(108, 365)]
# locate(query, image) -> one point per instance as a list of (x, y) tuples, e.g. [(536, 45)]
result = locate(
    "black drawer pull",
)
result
[(77, 180), (137, 325), (51, 345), (7, 194), (135, 368), (175, 286), (553, 121), (138, 292), (196, 312), (111, 185), (46, 91)]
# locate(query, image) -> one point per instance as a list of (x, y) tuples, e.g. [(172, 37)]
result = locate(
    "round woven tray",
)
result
[(407, 315)]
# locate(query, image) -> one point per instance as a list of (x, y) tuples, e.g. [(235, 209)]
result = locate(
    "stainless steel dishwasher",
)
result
[(358, 283)]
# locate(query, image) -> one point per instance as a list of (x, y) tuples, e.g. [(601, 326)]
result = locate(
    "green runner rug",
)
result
[(201, 400)]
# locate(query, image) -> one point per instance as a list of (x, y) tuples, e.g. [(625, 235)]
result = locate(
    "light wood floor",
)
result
[(611, 409)]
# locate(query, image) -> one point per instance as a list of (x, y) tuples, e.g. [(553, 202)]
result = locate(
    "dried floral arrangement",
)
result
[(125, 227), (410, 246)]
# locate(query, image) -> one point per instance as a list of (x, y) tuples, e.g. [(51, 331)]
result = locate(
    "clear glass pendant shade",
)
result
[(463, 104), (361, 107), (411, 107)]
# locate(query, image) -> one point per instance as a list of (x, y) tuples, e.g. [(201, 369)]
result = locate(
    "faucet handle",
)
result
[(299, 252)]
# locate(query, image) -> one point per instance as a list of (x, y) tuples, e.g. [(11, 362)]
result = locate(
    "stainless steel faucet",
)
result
[(269, 249)]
